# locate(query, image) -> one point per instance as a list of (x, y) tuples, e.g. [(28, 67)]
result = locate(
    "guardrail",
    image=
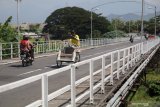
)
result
[(12, 49), (122, 92), (118, 61)]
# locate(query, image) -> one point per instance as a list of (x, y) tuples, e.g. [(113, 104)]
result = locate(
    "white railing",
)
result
[(122, 92), (11, 50), (119, 60)]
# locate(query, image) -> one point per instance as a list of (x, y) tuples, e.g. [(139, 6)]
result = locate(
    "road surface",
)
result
[(27, 94)]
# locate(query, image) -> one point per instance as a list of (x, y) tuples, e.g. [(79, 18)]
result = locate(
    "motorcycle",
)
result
[(26, 60), (131, 40)]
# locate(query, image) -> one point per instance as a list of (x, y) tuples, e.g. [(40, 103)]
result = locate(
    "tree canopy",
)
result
[(150, 25), (74, 18), (7, 33)]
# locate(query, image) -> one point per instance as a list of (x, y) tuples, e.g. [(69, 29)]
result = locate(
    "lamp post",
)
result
[(129, 29), (94, 8), (116, 24), (142, 18), (155, 9), (18, 30)]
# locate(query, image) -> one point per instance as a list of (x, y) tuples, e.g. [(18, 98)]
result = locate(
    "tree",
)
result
[(34, 28), (150, 25), (73, 18), (7, 33)]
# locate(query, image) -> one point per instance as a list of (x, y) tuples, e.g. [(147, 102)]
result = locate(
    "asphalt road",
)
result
[(27, 94)]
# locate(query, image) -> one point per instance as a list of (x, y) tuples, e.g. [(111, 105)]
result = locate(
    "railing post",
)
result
[(91, 81), (18, 50), (139, 51), (147, 46), (55, 46), (73, 87), (49, 46), (118, 64), (43, 46), (131, 62), (142, 48), (111, 71), (135, 51), (1, 51), (128, 58), (11, 50), (103, 74), (37, 47), (124, 61), (44, 91)]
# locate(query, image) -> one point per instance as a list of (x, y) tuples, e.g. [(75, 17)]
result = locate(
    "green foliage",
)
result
[(114, 34), (7, 33), (150, 25), (34, 28), (96, 34), (154, 88), (65, 19)]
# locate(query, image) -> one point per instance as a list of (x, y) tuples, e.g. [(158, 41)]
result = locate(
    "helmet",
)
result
[(72, 32), (25, 37)]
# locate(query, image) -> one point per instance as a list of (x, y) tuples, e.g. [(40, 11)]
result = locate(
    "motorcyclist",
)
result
[(131, 39), (27, 46)]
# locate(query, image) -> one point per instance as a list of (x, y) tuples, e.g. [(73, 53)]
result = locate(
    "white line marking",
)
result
[(50, 66), (30, 72), (95, 54)]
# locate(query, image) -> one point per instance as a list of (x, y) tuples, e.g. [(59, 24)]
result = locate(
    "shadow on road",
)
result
[(17, 66)]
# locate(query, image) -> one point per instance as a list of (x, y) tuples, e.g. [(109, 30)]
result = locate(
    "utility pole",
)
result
[(18, 30), (142, 17)]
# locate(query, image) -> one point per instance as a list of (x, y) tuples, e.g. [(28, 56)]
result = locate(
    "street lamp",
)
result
[(142, 18), (18, 15), (116, 24), (92, 9), (155, 8)]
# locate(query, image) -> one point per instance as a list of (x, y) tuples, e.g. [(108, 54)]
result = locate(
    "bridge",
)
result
[(102, 78)]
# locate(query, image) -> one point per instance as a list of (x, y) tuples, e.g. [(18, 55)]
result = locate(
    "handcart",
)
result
[(68, 54)]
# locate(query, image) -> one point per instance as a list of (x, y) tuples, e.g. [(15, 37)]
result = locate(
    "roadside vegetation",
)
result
[(148, 93)]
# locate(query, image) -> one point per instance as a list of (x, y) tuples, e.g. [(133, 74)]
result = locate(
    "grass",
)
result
[(141, 98)]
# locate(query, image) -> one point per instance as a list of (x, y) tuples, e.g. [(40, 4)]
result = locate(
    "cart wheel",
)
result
[(59, 64), (77, 59)]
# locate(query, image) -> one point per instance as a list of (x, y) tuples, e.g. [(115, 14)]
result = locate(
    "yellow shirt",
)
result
[(75, 41)]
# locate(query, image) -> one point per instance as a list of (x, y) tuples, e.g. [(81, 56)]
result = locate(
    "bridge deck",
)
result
[(99, 99)]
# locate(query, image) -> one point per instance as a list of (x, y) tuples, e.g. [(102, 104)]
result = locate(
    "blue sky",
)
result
[(36, 11)]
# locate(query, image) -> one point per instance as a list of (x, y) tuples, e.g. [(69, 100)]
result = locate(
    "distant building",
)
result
[(30, 34), (26, 26)]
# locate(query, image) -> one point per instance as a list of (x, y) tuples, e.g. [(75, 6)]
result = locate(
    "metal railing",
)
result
[(12, 49), (119, 60), (123, 91)]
